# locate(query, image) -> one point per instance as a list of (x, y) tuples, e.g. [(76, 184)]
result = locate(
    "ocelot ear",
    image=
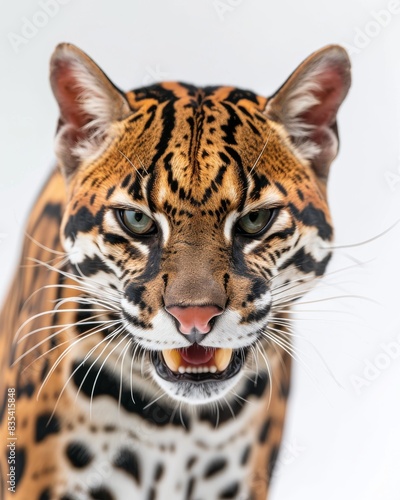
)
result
[(89, 103), (307, 104)]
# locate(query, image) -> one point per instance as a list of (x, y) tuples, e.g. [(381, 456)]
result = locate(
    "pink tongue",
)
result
[(197, 355)]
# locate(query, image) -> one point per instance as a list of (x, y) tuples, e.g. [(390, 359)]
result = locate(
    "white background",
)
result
[(343, 433)]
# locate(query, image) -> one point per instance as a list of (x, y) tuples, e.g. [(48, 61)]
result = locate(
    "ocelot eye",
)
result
[(254, 223), (137, 223)]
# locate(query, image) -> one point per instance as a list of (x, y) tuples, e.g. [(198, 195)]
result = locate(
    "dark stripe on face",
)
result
[(237, 95), (114, 239), (313, 217), (260, 182), (281, 188), (289, 231), (256, 315), (152, 112), (306, 263), (91, 266), (242, 182), (231, 125), (168, 124), (83, 221), (134, 321), (172, 182)]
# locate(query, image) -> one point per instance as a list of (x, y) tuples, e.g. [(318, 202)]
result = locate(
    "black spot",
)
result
[(128, 461), (231, 491), (272, 460), (258, 288), (45, 495), (110, 192), (191, 462), (190, 488), (245, 456), (2, 485), (92, 199), (27, 389), (300, 194), (253, 387), (281, 188), (225, 158), (20, 461), (45, 426), (256, 387), (216, 466), (126, 181), (101, 493), (134, 293), (158, 473), (152, 494), (109, 428), (263, 436), (44, 370), (3, 405), (52, 211), (83, 318), (78, 454), (284, 389), (254, 129)]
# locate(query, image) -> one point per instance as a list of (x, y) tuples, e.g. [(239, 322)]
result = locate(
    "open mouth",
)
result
[(198, 364)]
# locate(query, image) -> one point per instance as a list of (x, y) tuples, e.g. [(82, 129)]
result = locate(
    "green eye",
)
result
[(137, 222), (254, 222)]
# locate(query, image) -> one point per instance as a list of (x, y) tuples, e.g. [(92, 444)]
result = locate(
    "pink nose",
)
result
[(197, 317)]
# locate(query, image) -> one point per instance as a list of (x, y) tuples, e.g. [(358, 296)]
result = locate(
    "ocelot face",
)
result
[(195, 211)]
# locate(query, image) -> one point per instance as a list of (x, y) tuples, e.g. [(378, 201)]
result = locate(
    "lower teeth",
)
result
[(197, 369), (220, 360)]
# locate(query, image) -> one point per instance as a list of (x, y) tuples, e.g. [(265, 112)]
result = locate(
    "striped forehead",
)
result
[(204, 141)]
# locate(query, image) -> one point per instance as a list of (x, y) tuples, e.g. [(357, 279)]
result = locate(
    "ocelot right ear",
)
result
[(307, 103), (90, 106)]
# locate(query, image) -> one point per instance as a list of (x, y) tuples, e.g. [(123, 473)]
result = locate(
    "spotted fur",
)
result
[(86, 312)]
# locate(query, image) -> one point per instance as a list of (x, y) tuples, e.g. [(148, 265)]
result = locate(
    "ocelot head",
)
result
[(198, 214)]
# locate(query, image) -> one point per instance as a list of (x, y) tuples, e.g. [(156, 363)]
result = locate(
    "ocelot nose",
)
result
[(194, 321)]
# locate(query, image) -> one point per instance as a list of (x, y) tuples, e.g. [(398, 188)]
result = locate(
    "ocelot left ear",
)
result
[(90, 106), (307, 104)]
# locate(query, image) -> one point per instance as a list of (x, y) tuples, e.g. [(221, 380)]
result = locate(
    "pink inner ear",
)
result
[(330, 96), (67, 90)]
